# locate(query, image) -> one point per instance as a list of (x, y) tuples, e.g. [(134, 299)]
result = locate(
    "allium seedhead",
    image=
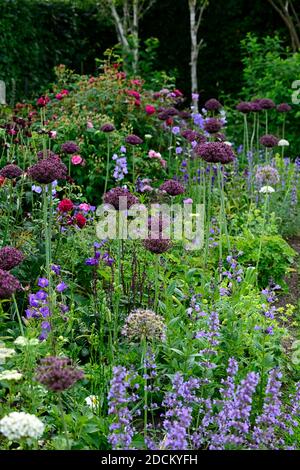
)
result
[(269, 140), (10, 257), (215, 152), (70, 147), (284, 108), (133, 139), (266, 103), (8, 285), (58, 373), (244, 107), (107, 127), (116, 196), (48, 170), (157, 246), (212, 125), (172, 187), (212, 105), (191, 136), (144, 323), (267, 175), (11, 171)]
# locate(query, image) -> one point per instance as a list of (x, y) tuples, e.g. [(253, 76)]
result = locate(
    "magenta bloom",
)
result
[(118, 196), (107, 127), (8, 285), (215, 152), (11, 171), (284, 108), (266, 103), (48, 170), (10, 257), (133, 139), (58, 373), (212, 105), (70, 147), (172, 187), (212, 125), (269, 140), (244, 107), (157, 246)]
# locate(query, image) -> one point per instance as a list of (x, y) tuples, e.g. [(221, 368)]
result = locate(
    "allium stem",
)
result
[(265, 210), (18, 316), (156, 274), (144, 366), (62, 414), (107, 164)]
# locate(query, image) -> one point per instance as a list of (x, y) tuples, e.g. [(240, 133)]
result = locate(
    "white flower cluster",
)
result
[(18, 425), (92, 401), (10, 375), (23, 341), (5, 353)]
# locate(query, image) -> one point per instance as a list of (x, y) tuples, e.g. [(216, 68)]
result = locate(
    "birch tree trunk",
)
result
[(194, 50)]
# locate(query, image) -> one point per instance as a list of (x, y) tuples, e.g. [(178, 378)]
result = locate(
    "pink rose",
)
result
[(89, 125), (76, 159), (59, 96), (84, 207), (52, 134), (150, 109)]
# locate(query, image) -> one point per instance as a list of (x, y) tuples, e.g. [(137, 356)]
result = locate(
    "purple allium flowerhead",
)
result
[(157, 246), (10, 257), (220, 137), (283, 108), (8, 285), (48, 170), (172, 187), (11, 171), (46, 154), (144, 323), (70, 147), (255, 106), (266, 103), (107, 127), (269, 140), (267, 175), (244, 107), (192, 135), (118, 196), (171, 112), (185, 115), (212, 125), (133, 139), (163, 116), (57, 373), (212, 105), (215, 152)]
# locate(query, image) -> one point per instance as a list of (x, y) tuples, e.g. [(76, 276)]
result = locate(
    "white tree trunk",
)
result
[(194, 50), (135, 34)]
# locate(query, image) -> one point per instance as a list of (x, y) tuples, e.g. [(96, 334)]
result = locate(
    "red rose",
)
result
[(80, 220), (2, 180), (169, 122), (134, 93), (66, 205), (149, 109), (42, 101)]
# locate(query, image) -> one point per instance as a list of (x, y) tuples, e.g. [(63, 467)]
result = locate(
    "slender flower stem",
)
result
[(18, 316), (156, 273), (62, 414), (144, 367), (107, 164), (265, 210)]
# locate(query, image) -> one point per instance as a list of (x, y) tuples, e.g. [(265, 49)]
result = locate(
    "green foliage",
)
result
[(269, 71)]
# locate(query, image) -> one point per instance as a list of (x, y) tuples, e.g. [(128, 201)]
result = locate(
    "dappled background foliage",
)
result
[(36, 35)]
